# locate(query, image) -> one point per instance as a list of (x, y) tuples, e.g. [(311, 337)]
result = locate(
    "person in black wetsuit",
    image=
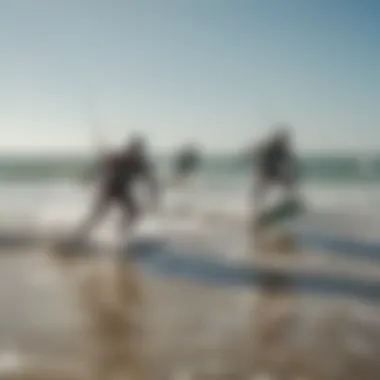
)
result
[(276, 164), (186, 162), (117, 173)]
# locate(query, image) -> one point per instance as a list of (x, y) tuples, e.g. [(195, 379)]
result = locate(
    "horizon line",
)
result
[(85, 152)]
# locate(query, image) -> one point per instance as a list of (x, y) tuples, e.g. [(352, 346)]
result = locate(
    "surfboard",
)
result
[(288, 209)]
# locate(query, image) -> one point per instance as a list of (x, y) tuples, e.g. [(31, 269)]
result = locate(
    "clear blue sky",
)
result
[(214, 70)]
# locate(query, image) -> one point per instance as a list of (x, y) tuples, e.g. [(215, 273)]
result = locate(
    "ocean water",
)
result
[(49, 190)]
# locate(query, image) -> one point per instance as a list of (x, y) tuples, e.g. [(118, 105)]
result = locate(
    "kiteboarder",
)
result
[(117, 172), (276, 164), (186, 162)]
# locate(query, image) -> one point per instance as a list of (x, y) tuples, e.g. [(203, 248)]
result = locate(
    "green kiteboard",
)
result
[(287, 209)]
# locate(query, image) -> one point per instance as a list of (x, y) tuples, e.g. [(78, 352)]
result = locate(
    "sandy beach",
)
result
[(47, 313)]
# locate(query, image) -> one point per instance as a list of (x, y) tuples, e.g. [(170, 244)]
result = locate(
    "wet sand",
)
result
[(47, 311)]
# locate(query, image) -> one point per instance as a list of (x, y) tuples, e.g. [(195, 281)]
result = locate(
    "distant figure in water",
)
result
[(186, 162), (276, 164), (117, 173)]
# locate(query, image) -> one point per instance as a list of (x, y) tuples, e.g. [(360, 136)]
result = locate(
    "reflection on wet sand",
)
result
[(85, 320)]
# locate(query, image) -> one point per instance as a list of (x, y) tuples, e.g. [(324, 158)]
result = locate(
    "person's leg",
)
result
[(129, 214), (259, 190), (258, 193), (289, 186), (256, 197), (98, 211)]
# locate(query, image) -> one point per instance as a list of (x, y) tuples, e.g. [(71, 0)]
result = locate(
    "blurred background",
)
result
[(78, 78)]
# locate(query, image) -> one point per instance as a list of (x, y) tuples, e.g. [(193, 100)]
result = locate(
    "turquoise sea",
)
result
[(48, 189), (322, 168)]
